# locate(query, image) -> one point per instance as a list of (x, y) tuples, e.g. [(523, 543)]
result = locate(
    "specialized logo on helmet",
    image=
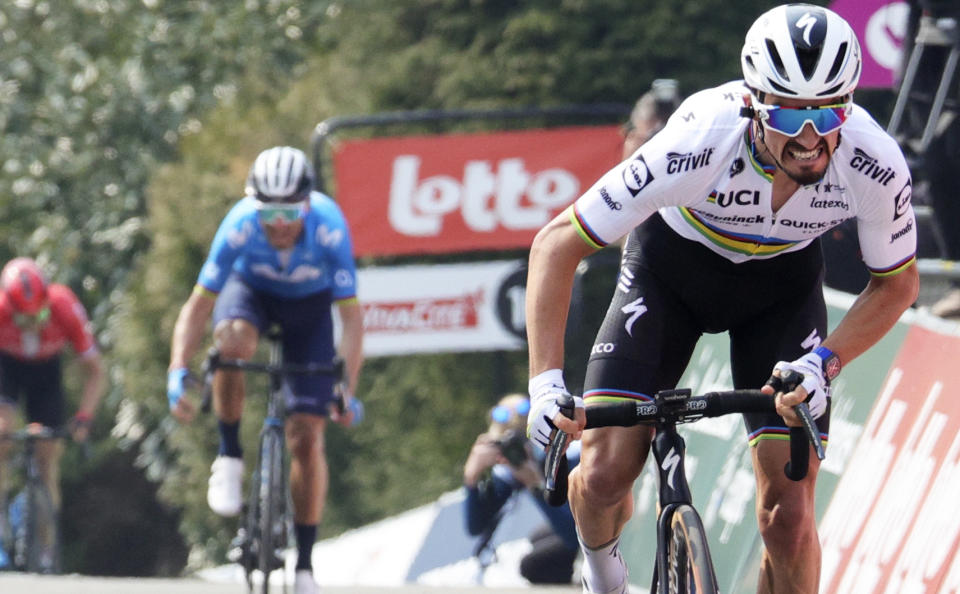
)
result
[(809, 26), (637, 175)]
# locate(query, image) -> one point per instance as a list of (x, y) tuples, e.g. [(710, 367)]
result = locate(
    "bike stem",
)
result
[(669, 450)]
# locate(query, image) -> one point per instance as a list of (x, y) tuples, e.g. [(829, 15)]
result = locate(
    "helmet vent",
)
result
[(831, 91), (780, 89), (808, 58), (837, 61), (777, 60)]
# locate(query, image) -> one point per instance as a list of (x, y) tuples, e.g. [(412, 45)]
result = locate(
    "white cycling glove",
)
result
[(814, 382), (545, 389)]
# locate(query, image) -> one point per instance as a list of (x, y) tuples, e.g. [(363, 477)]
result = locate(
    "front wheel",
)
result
[(689, 567), (37, 537), (272, 501)]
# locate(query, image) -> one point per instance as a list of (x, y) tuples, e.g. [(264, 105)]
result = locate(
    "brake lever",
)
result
[(555, 465), (810, 428)]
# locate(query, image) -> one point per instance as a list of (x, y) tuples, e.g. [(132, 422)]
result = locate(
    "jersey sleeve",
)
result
[(71, 316), (228, 244), (334, 235), (886, 223), (638, 187)]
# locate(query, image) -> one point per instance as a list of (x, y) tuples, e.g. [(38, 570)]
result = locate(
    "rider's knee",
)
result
[(304, 439), (236, 339), (786, 525), (599, 484)]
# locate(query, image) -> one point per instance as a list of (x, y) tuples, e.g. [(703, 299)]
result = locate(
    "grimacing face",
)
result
[(806, 156)]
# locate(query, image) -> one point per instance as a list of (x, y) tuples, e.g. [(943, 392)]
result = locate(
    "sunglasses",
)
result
[(502, 413), (275, 213), (791, 120), (32, 320)]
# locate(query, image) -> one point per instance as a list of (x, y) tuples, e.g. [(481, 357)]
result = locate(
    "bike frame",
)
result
[(669, 451), (260, 538), (26, 552), (669, 408)]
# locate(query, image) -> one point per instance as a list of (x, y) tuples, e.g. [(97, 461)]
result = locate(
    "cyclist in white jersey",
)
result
[(723, 210)]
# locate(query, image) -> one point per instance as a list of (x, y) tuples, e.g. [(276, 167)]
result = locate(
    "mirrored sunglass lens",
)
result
[(22, 319), (791, 121), (523, 407), (274, 214), (500, 414)]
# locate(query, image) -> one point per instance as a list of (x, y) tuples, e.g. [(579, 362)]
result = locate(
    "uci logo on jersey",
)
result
[(636, 175)]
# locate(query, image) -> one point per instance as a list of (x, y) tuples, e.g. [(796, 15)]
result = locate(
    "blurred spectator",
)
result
[(650, 113), (501, 465)]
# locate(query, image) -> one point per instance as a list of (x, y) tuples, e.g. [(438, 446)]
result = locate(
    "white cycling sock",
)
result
[(603, 570)]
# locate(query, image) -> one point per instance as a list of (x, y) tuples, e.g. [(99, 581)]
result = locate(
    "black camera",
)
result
[(513, 446)]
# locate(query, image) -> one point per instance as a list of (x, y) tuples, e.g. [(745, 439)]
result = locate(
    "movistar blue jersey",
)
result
[(321, 260)]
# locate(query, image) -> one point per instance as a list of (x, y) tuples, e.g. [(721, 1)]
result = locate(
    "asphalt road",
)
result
[(72, 584)]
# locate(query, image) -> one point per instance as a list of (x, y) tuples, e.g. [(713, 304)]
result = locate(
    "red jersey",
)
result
[(67, 323)]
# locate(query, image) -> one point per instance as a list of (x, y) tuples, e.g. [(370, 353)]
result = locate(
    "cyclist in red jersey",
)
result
[(37, 321)]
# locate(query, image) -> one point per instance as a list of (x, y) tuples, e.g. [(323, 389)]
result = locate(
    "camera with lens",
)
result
[(513, 446)]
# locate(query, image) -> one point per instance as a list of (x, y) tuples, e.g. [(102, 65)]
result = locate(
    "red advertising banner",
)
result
[(892, 525), (465, 192)]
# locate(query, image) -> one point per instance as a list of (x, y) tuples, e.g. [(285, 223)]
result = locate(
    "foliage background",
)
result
[(128, 129)]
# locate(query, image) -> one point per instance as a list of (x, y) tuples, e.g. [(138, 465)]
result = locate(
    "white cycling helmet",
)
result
[(801, 51), (280, 174)]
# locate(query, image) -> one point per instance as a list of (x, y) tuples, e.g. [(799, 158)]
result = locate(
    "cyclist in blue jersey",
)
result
[(283, 256)]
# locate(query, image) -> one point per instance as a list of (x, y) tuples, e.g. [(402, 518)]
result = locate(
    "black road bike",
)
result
[(266, 523), (683, 562), (33, 522)]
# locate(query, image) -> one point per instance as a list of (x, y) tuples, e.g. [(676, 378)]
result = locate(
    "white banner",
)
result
[(443, 308)]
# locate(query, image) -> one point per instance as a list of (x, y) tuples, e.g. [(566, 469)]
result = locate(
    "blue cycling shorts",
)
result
[(307, 327)]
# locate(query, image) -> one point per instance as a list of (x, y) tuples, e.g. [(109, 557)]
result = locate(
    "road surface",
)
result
[(72, 584)]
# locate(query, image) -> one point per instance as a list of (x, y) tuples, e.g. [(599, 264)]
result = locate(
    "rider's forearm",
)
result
[(93, 386), (190, 328), (351, 341), (873, 313), (554, 256)]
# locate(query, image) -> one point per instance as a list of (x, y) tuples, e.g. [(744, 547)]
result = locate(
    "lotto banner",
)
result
[(443, 308), (465, 192)]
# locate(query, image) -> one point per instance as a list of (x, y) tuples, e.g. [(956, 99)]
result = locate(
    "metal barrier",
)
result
[(580, 114)]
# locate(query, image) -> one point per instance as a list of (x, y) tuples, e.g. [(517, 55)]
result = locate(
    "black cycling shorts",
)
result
[(38, 384), (671, 290)]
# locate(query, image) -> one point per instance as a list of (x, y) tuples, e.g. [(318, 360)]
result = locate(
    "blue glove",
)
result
[(176, 380), (356, 407)]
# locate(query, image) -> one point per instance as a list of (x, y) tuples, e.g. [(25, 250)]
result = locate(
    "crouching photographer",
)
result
[(501, 465)]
